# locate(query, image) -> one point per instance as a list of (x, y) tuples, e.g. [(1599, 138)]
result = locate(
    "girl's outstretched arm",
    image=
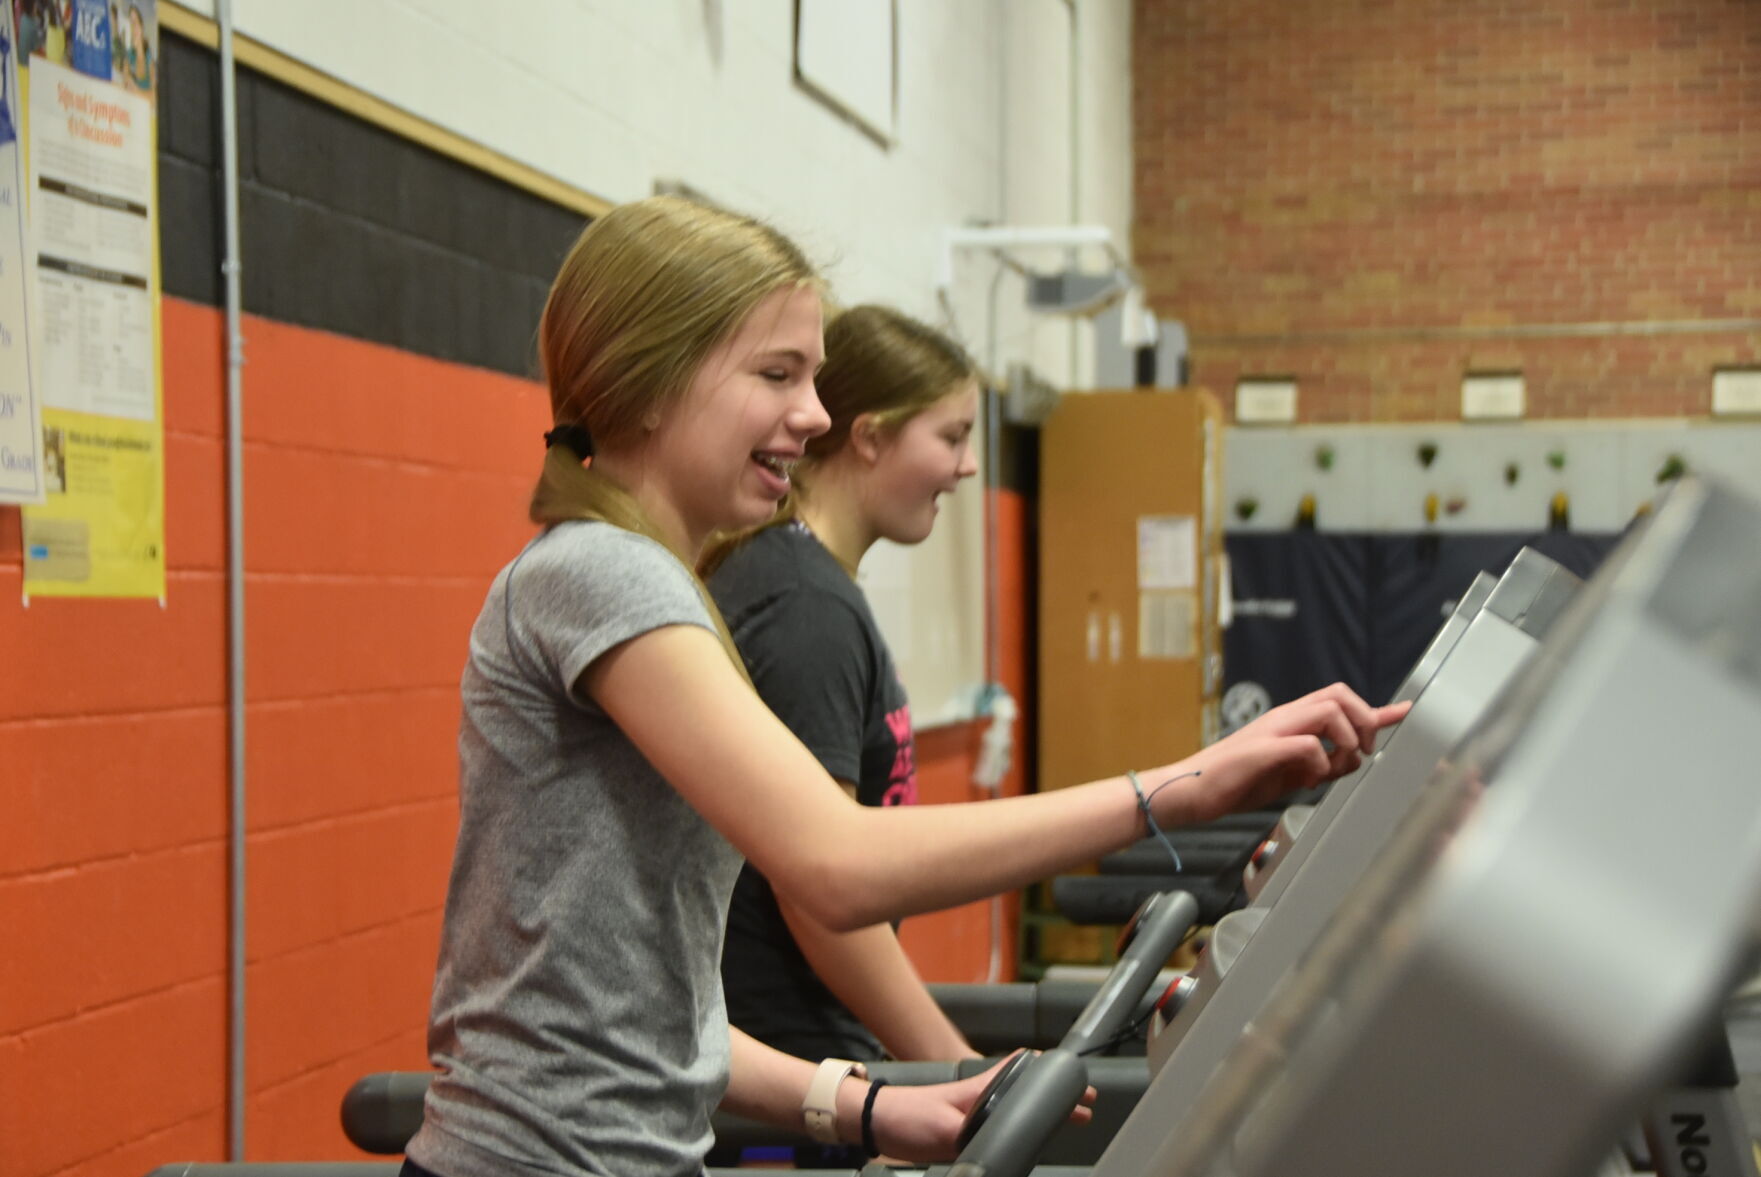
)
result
[(678, 698)]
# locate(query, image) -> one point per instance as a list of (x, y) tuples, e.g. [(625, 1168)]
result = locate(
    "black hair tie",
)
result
[(868, 1144), (574, 436)]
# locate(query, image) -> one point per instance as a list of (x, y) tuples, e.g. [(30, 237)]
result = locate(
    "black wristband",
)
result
[(868, 1145)]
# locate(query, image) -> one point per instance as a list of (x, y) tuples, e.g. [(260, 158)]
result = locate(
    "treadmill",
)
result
[(1251, 950), (1471, 1005), (1296, 820), (1491, 634), (1128, 876)]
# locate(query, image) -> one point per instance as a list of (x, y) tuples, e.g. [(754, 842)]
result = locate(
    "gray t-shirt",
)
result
[(578, 1023)]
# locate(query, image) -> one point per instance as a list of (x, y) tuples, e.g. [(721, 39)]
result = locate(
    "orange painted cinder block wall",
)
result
[(1376, 198), (383, 490)]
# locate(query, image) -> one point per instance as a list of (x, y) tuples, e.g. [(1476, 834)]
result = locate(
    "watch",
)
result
[(819, 1108)]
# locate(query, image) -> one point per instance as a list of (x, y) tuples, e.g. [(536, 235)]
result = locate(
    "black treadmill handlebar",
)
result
[(1034, 1104), (1200, 855), (998, 1018), (1110, 899), (1018, 1128), (1159, 929), (383, 1110)]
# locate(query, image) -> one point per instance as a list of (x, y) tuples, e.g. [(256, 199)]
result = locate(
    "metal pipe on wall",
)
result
[(993, 561), (235, 595), (993, 971), (1075, 81)]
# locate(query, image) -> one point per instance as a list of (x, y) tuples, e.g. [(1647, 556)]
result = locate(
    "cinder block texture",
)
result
[(1376, 198)]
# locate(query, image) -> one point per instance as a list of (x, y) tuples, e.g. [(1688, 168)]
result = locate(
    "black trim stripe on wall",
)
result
[(347, 227), (1019, 468)]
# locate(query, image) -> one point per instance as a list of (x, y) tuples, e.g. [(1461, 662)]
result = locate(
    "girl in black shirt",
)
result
[(902, 399)]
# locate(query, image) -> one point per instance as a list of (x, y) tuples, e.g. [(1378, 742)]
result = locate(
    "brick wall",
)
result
[(1377, 197)]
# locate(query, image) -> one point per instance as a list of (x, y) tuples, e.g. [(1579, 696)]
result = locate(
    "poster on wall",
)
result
[(88, 74), (23, 461)]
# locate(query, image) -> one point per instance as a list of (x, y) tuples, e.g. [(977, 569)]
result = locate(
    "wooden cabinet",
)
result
[(1130, 657)]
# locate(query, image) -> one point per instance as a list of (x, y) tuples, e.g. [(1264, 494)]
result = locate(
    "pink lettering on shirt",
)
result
[(902, 780)]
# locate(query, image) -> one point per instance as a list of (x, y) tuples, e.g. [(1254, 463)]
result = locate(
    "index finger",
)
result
[(1360, 713), (1392, 713), (1374, 719)]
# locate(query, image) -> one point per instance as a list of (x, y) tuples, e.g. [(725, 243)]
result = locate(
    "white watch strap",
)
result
[(819, 1108)]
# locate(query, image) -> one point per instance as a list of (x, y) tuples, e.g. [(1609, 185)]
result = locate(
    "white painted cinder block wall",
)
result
[(612, 96)]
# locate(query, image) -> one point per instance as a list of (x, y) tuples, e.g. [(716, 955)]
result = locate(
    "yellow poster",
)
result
[(89, 129)]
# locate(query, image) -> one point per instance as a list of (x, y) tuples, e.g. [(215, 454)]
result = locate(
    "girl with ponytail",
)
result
[(616, 765)]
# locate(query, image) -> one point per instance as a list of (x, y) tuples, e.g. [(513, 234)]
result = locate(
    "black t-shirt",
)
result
[(817, 657)]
